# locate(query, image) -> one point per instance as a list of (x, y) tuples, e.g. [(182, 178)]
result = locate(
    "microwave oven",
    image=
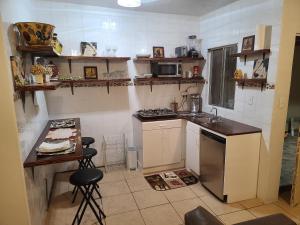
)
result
[(166, 69)]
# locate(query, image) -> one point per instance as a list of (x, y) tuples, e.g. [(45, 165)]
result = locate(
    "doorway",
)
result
[(290, 170)]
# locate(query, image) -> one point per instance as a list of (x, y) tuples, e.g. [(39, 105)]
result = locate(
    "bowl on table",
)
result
[(35, 33)]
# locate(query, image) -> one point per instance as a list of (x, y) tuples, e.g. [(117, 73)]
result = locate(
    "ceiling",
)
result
[(181, 7)]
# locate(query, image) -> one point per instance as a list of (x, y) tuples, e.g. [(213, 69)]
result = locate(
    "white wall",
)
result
[(100, 113), (228, 26)]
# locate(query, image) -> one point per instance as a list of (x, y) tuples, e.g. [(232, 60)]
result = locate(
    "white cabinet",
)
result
[(152, 148), (172, 145), (193, 147), (161, 142)]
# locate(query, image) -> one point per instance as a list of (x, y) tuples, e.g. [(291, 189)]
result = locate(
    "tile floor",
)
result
[(129, 200)]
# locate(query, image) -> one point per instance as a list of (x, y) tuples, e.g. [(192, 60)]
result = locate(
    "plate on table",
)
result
[(67, 151), (48, 147)]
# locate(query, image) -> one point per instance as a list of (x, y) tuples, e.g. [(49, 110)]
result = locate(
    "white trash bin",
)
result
[(131, 158)]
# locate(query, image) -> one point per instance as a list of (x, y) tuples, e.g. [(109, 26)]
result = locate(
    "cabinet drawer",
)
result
[(164, 124)]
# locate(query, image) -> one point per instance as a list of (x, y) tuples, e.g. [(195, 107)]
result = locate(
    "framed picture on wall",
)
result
[(260, 68), (158, 52), (88, 48), (90, 72), (248, 43)]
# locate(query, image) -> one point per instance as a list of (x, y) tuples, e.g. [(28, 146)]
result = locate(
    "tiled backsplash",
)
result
[(132, 33)]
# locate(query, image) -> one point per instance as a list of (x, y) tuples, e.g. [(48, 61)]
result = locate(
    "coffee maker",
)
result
[(195, 103)]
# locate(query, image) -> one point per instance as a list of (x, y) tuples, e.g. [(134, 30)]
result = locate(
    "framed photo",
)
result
[(248, 43), (260, 68), (158, 52), (17, 70), (90, 72), (88, 48)]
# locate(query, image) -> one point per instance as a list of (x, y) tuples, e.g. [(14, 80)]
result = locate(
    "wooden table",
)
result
[(33, 160)]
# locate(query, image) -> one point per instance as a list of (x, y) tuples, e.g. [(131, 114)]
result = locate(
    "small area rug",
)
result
[(171, 179)]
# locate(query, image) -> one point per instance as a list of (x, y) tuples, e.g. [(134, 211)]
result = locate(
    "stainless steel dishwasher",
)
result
[(212, 162)]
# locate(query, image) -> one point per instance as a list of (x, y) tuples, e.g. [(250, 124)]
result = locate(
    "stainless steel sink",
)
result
[(204, 119), (209, 120)]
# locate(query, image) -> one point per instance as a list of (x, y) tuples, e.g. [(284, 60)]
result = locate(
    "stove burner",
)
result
[(156, 113)]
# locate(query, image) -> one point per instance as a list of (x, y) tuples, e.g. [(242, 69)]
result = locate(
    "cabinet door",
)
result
[(152, 148), (189, 149), (172, 146), (193, 152)]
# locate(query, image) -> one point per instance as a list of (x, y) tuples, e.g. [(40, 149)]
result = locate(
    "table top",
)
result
[(33, 160)]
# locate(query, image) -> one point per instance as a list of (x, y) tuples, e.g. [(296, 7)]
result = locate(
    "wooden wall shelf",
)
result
[(252, 53), (96, 58), (39, 87), (96, 83), (246, 54), (180, 59), (261, 83), (35, 87), (170, 80), (46, 51), (107, 60)]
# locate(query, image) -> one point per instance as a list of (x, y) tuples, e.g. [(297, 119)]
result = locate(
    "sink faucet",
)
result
[(214, 108)]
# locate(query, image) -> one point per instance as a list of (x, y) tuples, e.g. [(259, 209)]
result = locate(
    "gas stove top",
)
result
[(156, 113)]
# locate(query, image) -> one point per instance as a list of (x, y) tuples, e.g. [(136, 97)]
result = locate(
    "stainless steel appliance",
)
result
[(212, 162), (181, 51), (156, 113), (166, 69), (195, 103)]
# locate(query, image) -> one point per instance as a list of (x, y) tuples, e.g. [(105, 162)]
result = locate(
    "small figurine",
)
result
[(238, 74)]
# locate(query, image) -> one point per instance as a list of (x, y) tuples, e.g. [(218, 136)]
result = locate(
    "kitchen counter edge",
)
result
[(227, 127)]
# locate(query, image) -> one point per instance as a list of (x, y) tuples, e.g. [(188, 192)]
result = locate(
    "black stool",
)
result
[(86, 181), (85, 163), (87, 141)]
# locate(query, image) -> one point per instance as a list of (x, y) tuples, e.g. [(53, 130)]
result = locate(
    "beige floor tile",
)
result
[(294, 211), (119, 204), (251, 203), (138, 184), (89, 219), (266, 210), (130, 218), (236, 217), (182, 207), (112, 176), (149, 198), (128, 174), (179, 194), (61, 211), (199, 190), (161, 215), (114, 188), (220, 208)]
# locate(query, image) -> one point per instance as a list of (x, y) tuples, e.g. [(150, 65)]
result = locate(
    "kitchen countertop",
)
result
[(226, 127)]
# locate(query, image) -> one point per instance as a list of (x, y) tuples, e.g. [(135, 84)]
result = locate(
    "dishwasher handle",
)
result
[(213, 136)]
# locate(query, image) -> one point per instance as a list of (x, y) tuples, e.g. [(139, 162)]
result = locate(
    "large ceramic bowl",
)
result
[(36, 33)]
